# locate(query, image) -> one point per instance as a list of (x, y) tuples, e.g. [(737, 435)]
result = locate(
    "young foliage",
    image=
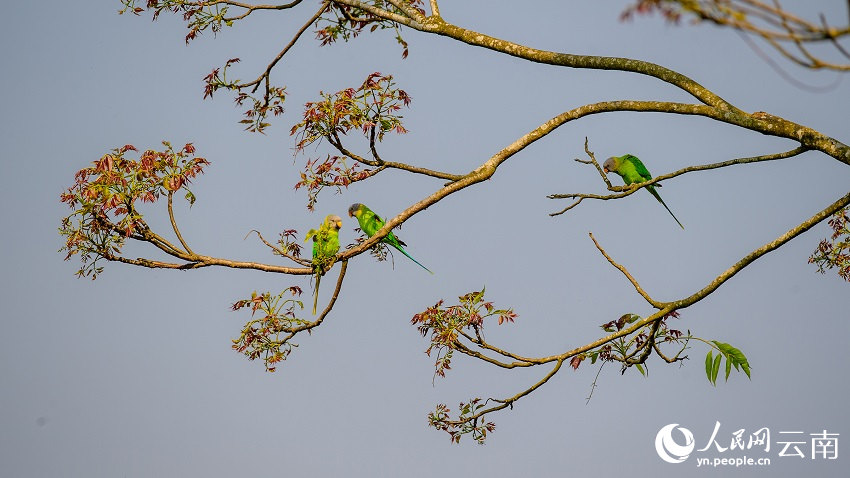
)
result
[(267, 337), (372, 109), (345, 22), (105, 197), (733, 356), (334, 171), (635, 349), (446, 324), (198, 15), (465, 424), (271, 102), (835, 251)]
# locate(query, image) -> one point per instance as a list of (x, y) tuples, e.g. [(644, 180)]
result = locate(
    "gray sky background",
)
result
[(132, 375)]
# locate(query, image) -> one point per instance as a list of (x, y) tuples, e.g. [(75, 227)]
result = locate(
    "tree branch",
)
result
[(270, 67), (174, 223), (630, 189), (638, 288), (251, 8)]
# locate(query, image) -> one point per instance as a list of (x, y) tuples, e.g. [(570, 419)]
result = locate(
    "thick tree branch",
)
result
[(381, 13)]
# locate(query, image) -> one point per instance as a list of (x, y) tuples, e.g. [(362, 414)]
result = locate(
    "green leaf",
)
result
[(640, 369), (708, 362), (715, 368), (728, 368)]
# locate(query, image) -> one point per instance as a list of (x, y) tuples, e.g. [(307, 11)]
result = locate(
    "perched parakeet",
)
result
[(325, 247), (632, 170), (371, 222)]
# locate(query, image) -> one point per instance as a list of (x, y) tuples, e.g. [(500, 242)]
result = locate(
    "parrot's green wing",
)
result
[(632, 170), (640, 169), (371, 223)]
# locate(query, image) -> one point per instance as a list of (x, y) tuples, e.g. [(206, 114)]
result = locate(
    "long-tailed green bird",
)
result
[(325, 247), (632, 170), (370, 223)]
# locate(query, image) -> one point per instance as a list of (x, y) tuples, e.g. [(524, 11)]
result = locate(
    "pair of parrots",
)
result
[(326, 240)]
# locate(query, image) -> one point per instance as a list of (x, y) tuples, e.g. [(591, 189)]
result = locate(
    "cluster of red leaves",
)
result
[(371, 108), (835, 251), (465, 424), (334, 171), (105, 196), (346, 22), (264, 336), (289, 242), (444, 324), (198, 16)]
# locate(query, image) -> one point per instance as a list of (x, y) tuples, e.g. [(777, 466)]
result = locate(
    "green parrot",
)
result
[(325, 247), (371, 222), (632, 170)]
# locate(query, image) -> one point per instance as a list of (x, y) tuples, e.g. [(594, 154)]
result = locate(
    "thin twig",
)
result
[(267, 73), (174, 224), (638, 288), (632, 188)]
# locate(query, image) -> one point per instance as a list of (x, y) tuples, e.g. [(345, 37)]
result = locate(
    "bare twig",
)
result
[(266, 74), (280, 251), (174, 223), (619, 267), (249, 9)]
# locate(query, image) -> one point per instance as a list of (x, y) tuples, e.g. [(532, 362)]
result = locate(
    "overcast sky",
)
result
[(132, 375)]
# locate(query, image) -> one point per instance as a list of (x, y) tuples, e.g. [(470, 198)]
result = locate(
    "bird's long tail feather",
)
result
[(316, 295), (657, 196), (412, 259)]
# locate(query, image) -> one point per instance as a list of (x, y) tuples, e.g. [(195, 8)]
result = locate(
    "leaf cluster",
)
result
[(271, 102), (267, 337), (105, 197), (733, 356), (199, 16), (634, 350), (835, 251), (334, 171), (465, 424), (446, 324), (345, 22), (373, 106)]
